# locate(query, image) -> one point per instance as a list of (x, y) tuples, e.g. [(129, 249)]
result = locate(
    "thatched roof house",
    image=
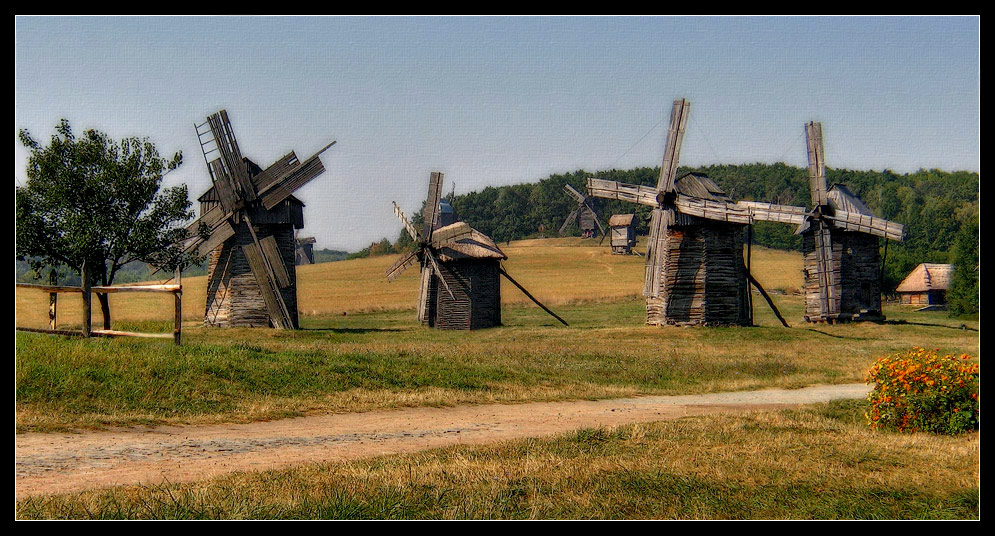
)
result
[(927, 284)]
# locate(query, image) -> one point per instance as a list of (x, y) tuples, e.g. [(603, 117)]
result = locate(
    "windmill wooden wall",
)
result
[(855, 257), (703, 276), (234, 298)]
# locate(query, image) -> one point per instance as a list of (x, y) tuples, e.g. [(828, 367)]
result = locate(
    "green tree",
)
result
[(964, 292), (94, 201)]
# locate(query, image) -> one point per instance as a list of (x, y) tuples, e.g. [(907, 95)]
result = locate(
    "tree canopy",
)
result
[(95, 201)]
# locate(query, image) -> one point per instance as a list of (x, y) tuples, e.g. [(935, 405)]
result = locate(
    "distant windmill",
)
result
[(251, 215), (460, 269), (584, 215), (304, 253)]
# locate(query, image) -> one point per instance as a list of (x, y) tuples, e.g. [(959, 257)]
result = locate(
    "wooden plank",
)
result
[(221, 234), (816, 163), (432, 204), (407, 225), (49, 288), (298, 177), (852, 221), (401, 265), (115, 333), (258, 267), (276, 171), (675, 137), (271, 251), (84, 278), (138, 288), (574, 193)]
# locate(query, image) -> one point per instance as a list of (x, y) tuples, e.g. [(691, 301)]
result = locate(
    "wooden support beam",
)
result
[(769, 301), (531, 297)]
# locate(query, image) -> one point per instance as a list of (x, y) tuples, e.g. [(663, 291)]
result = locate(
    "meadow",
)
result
[(361, 349)]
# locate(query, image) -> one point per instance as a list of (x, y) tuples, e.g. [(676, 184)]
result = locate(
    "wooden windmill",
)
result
[(584, 215), (842, 262), (251, 217), (304, 252), (460, 269), (695, 274)]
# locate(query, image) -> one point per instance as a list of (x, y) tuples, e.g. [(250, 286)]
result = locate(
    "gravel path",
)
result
[(57, 463)]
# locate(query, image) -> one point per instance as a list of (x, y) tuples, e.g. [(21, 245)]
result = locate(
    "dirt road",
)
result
[(56, 463)]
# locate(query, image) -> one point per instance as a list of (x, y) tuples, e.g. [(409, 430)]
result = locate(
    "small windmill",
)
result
[(251, 216), (842, 262), (304, 252), (584, 215), (695, 274), (460, 270)]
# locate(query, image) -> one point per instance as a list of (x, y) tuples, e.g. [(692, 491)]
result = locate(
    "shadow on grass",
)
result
[(353, 330), (907, 323), (837, 336)]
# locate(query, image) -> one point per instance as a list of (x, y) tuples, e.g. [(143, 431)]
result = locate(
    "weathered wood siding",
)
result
[(856, 258), (703, 277), (233, 295), (623, 237), (476, 300)]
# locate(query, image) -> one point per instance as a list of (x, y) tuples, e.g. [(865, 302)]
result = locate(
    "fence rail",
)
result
[(86, 291)]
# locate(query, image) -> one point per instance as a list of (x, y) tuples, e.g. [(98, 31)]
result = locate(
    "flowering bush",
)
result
[(921, 391)]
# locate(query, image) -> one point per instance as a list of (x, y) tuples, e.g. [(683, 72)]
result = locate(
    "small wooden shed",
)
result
[(623, 233), (471, 267), (927, 284)]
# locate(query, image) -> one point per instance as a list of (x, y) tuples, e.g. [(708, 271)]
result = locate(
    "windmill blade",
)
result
[(231, 155), (261, 263), (450, 234), (712, 210), (816, 163), (407, 225), (656, 251), (775, 213), (571, 218), (633, 193), (573, 192), (852, 221), (438, 271), (672, 151), (432, 204), (827, 276), (401, 265), (293, 180), (217, 221)]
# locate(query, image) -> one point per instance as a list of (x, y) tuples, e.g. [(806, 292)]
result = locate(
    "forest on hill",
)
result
[(936, 207)]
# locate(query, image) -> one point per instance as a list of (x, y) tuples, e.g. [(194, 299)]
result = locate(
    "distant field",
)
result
[(557, 271), (360, 347)]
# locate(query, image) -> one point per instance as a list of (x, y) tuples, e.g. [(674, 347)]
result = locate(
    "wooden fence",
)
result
[(87, 292)]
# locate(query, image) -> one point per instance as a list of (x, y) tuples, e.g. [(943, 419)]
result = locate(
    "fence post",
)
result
[(178, 303), (53, 298), (86, 301)]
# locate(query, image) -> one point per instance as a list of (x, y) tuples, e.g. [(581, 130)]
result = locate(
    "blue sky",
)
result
[(503, 100)]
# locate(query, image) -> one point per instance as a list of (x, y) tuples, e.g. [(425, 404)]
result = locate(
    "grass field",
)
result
[(361, 349)]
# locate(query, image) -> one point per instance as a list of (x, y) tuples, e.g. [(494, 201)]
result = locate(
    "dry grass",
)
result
[(815, 463), (557, 271)]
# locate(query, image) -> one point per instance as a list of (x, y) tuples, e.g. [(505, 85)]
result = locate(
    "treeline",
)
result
[(938, 208)]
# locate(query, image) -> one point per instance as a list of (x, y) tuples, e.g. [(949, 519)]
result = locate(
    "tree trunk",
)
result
[(105, 309)]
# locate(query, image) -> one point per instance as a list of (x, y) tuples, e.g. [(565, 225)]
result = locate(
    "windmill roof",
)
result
[(841, 198), (619, 220), (927, 276), (701, 186), (476, 246)]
